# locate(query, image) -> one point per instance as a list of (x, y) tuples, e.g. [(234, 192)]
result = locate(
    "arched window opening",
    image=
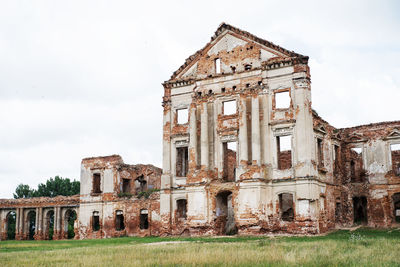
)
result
[(225, 221), (181, 208), (49, 225), (70, 218), (31, 223), (10, 221), (144, 219), (96, 221), (286, 207), (119, 220)]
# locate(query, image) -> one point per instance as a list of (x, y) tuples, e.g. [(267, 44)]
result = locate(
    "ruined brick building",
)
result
[(243, 152)]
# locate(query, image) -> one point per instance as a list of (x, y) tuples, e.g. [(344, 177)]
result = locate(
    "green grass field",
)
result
[(363, 247)]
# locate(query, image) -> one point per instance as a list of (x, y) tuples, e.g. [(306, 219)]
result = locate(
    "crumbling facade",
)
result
[(243, 152), (116, 199), (257, 157)]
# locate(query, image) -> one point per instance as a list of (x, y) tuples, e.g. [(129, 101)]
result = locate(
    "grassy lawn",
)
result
[(363, 247)]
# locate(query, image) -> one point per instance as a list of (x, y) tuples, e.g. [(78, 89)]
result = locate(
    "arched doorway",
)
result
[(10, 225), (69, 222), (360, 210), (31, 224), (49, 225), (225, 216)]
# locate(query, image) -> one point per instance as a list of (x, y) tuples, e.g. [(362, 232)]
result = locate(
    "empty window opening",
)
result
[(357, 171), (96, 183), (10, 228), (320, 153), (199, 93), (229, 107), (126, 185), (233, 68), (284, 148), (234, 87), (144, 219), (230, 163), (395, 153), (119, 220), (49, 228), (31, 224), (182, 161), (210, 92), (338, 210), (247, 67), (225, 221), (282, 100), (140, 184), (286, 207), (336, 158), (95, 221), (223, 90), (247, 85), (183, 115), (217, 62), (396, 207), (70, 218), (360, 210), (181, 208), (259, 83)]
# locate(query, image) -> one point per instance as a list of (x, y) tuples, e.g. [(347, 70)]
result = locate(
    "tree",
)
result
[(23, 191), (53, 187)]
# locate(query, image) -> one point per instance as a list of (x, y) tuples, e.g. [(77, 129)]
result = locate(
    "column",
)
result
[(56, 234), (37, 223), (40, 224), (204, 136), (255, 130), (192, 138), (20, 222), (166, 177), (243, 156)]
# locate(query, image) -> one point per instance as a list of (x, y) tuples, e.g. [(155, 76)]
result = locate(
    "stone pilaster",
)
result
[(243, 149), (204, 137), (255, 131), (192, 139)]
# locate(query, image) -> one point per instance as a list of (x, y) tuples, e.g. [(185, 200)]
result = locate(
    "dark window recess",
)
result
[(96, 183), (247, 67), (357, 171), (360, 210), (286, 207), (96, 222), (284, 149), (395, 153), (181, 208), (338, 209), (140, 184), (320, 153), (396, 207), (119, 221), (144, 219), (336, 162), (182, 161), (126, 185), (229, 168)]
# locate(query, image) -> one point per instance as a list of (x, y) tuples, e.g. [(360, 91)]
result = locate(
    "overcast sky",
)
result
[(83, 78)]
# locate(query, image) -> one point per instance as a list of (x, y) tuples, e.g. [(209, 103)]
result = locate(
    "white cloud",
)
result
[(83, 78)]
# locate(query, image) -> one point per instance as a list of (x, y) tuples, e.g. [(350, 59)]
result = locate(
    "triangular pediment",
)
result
[(354, 138), (320, 128), (237, 50), (394, 134)]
